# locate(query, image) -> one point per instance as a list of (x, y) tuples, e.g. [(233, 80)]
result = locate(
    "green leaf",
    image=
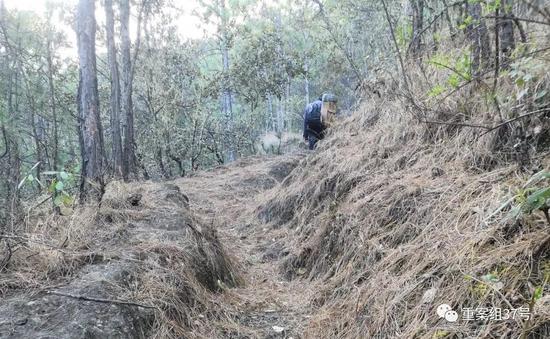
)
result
[(30, 178), (520, 82), (537, 178), (538, 293), (67, 200), (59, 186), (64, 175), (537, 199), (436, 91), (453, 81), (58, 201), (51, 188), (490, 278)]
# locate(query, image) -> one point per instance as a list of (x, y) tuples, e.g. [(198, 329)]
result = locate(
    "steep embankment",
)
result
[(141, 266), (393, 218)]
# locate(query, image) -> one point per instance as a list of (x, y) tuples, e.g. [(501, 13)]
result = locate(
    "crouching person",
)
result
[(317, 117)]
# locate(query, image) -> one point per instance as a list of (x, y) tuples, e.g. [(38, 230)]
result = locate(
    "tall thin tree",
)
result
[(90, 131), (115, 90), (506, 32), (51, 92), (129, 155), (227, 100), (417, 26), (478, 35), (11, 169)]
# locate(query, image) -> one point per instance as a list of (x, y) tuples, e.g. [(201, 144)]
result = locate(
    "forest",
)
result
[(168, 106), (157, 144)]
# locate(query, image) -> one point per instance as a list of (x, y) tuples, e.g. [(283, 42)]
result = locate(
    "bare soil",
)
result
[(266, 305)]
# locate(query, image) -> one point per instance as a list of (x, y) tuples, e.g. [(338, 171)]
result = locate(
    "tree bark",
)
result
[(417, 26), (11, 167), (37, 136), (479, 37), (506, 32), (90, 131), (270, 125), (227, 100), (306, 80), (129, 155), (53, 104), (116, 138)]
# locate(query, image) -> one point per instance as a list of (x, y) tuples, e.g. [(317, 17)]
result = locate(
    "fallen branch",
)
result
[(100, 300), (454, 124), (543, 110)]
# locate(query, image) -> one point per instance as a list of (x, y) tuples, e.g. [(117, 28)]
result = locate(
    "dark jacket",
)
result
[(312, 120)]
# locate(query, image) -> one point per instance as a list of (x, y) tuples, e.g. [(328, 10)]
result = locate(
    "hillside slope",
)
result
[(364, 237), (395, 217)]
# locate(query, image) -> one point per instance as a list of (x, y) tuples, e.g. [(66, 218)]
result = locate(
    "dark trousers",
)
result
[(312, 141), (315, 132)]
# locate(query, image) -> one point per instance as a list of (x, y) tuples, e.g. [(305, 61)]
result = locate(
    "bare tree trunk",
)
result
[(280, 56), (11, 167), (227, 100), (306, 82), (479, 36), (160, 162), (417, 26), (37, 136), (270, 118), (286, 121), (13, 163), (13, 177), (90, 132), (115, 90), (53, 104), (280, 115), (449, 21), (129, 156), (507, 41)]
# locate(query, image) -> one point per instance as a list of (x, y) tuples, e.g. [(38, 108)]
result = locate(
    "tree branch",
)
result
[(5, 142), (100, 300), (455, 124), (542, 110), (518, 19)]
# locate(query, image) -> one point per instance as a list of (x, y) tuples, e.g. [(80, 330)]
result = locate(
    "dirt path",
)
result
[(268, 306)]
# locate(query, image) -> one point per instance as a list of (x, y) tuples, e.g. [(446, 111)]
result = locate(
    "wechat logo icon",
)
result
[(445, 311)]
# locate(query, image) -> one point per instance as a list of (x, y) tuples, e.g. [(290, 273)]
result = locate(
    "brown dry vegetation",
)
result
[(395, 217), (364, 237), (143, 246)]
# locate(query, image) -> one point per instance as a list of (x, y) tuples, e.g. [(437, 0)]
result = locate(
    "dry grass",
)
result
[(177, 263), (388, 219), (392, 215)]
